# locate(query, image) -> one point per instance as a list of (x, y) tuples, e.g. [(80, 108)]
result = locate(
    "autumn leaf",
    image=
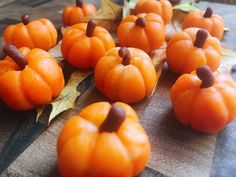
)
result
[(66, 100), (186, 7), (56, 52), (229, 53)]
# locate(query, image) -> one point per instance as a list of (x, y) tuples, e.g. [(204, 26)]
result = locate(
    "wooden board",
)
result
[(28, 148)]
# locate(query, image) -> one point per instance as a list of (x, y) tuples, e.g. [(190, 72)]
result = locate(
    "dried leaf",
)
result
[(132, 3), (108, 11), (186, 7), (56, 52), (229, 53), (226, 29), (68, 96)]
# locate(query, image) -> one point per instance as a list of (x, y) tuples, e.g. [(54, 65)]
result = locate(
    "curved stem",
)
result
[(16, 55), (208, 13), (125, 54), (115, 118), (90, 28), (201, 38), (79, 3), (25, 19), (205, 74), (141, 22)]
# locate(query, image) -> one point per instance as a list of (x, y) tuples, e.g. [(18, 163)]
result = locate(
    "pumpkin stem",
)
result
[(79, 3), (208, 13), (25, 19), (125, 54), (141, 22), (206, 75), (90, 28), (201, 38), (16, 55), (115, 118)]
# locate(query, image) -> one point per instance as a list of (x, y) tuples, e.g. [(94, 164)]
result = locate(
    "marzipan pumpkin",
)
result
[(161, 7), (204, 100), (85, 43), (39, 33), (125, 74), (74, 13), (103, 141), (144, 31), (29, 78), (192, 48), (206, 20)]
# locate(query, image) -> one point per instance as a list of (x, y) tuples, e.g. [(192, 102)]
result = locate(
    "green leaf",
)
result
[(66, 100), (186, 7)]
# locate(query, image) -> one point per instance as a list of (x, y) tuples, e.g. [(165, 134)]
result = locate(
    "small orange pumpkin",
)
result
[(85, 43), (39, 33), (161, 7), (74, 13), (206, 20), (29, 78), (125, 74), (192, 48), (103, 140), (204, 101), (144, 31)]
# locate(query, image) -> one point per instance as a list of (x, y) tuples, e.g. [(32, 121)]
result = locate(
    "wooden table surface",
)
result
[(28, 148)]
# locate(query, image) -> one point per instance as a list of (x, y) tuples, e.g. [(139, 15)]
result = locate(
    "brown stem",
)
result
[(141, 22), (208, 13), (206, 75), (201, 38), (115, 118), (174, 2), (25, 19), (125, 54), (16, 55), (79, 3), (90, 28)]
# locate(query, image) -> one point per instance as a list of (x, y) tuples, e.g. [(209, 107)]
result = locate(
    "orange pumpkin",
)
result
[(126, 75), (144, 31), (161, 7), (29, 78), (103, 141), (204, 101), (32, 34), (74, 13), (206, 20), (192, 48), (85, 43)]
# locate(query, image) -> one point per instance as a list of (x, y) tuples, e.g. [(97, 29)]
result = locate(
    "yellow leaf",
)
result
[(108, 11), (186, 7), (228, 52), (66, 100)]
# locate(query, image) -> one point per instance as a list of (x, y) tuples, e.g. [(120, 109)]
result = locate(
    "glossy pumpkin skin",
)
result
[(39, 33), (37, 84), (73, 14), (83, 52), (184, 57), (83, 151), (161, 7), (129, 84), (207, 110), (213, 24), (146, 38)]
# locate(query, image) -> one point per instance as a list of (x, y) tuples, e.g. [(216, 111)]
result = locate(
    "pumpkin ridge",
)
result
[(29, 35), (49, 31), (26, 95)]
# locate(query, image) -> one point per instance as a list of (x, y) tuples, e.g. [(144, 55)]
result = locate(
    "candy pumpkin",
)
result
[(125, 74), (32, 34), (74, 13), (144, 31), (29, 78), (192, 48), (162, 8), (85, 43), (206, 20), (103, 140), (204, 100)]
